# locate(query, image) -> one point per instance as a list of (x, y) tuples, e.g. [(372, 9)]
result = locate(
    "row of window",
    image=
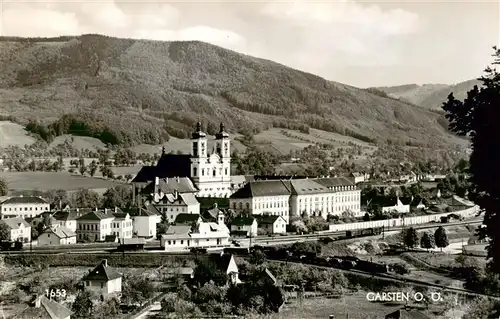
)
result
[(329, 209), (188, 242), (214, 172), (124, 224), (26, 208), (341, 199)]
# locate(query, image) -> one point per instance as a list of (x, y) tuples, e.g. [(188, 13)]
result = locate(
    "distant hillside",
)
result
[(125, 91), (430, 96)]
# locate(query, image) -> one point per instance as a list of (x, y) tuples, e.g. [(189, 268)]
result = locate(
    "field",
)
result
[(79, 142), (13, 134), (44, 181), (444, 260), (355, 305)]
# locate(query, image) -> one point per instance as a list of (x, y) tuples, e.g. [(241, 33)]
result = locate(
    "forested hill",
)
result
[(137, 91)]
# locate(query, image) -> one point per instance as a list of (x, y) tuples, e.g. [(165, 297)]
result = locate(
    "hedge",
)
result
[(118, 260)]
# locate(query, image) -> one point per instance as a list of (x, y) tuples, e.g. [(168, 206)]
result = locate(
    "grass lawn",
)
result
[(355, 305), (53, 180), (444, 260), (12, 134)]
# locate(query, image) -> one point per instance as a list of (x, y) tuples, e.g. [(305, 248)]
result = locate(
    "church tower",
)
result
[(198, 154), (223, 149)]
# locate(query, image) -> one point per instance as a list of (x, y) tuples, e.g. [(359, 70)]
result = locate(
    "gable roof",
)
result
[(66, 215), (271, 276), (243, 221), (307, 186), (262, 188), (185, 218), (267, 219), (169, 185), (14, 223), (334, 181), (102, 273), (178, 230), (221, 261), (24, 200), (96, 215), (61, 232), (48, 309), (169, 165)]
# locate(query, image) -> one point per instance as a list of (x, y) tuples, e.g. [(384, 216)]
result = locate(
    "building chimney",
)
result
[(177, 179), (116, 209), (105, 262), (157, 181), (176, 194)]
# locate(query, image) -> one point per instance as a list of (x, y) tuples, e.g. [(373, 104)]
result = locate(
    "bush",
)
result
[(400, 268), (118, 260)]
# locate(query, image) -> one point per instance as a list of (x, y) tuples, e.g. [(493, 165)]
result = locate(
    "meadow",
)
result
[(352, 306), (44, 181)]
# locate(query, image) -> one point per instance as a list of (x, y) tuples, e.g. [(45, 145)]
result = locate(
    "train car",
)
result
[(11, 245), (371, 267), (238, 251)]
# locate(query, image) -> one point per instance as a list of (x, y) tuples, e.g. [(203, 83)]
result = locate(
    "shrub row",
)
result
[(115, 260)]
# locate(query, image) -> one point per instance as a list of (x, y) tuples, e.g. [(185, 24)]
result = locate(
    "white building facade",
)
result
[(298, 197), (23, 207), (211, 172), (122, 225), (95, 226), (20, 230)]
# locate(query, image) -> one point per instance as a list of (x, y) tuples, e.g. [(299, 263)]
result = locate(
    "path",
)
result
[(150, 311)]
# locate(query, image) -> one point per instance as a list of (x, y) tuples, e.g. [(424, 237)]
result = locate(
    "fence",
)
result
[(399, 222)]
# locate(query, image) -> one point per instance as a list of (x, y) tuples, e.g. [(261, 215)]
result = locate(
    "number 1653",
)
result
[(55, 293)]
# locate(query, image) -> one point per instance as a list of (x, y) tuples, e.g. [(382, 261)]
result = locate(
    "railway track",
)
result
[(392, 278), (100, 248)]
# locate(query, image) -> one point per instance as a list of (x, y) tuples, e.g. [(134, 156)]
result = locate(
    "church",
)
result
[(207, 168)]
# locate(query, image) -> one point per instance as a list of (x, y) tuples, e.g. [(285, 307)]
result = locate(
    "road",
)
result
[(150, 311)]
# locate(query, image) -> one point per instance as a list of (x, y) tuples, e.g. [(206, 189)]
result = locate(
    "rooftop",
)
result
[(24, 200), (15, 223), (102, 273)]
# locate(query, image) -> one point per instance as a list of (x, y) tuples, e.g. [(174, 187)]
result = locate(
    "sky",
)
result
[(361, 43)]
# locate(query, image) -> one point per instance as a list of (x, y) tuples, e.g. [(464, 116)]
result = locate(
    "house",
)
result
[(357, 177), (211, 215), (23, 207), (244, 226), (57, 235), (208, 167), (45, 219), (198, 235), (20, 230), (172, 196), (406, 313), (323, 197), (259, 197), (103, 280), (398, 206), (67, 218), (226, 264), (131, 244), (95, 226), (44, 308), (187, 219), (287, 196), (145, 220), (122, 225), (271, 224)]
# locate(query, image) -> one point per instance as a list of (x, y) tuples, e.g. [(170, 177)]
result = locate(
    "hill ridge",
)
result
[(139, 90)]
